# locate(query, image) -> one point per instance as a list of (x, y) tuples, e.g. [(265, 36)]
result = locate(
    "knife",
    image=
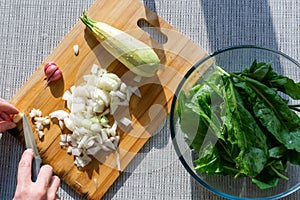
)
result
[(31, 144)]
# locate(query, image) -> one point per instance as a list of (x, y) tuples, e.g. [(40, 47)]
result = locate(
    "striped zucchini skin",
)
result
[(137, 56)]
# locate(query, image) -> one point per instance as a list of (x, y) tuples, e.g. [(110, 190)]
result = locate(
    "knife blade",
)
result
[(31, 144)]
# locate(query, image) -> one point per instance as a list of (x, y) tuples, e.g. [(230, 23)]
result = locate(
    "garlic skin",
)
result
[(52, 72), (55, 76)]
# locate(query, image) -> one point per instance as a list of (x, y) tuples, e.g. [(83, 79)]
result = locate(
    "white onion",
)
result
[(96, 183), (61, 124), (59, 114), (69, 150), (94, 69), (63, 138), (89, 104), (40, 134), (67, 95), (108, 143), (35, 113), (118, 162), (125, 121), (76, 151), (39, 121), (137, 78), (69, 124)]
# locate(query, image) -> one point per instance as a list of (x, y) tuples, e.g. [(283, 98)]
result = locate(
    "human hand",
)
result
[(44, 188), (6, 112)]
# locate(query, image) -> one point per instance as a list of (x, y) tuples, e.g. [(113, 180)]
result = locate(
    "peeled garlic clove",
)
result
[(76, 49)]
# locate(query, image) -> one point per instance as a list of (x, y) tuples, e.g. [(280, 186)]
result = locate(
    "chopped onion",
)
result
[(39, 121), (69, 150), (96, 183), (63, 145), (63, 138), (76, 151), (108, 143), (40, 134), (67, 95), (35, 113), (94, 69), (69, 124), (123, 87), (118, 162), (61, 124), (82, 161), (93, 150), (125, 121), (59, 114), (116, 141), (89, 105), (137, 78)]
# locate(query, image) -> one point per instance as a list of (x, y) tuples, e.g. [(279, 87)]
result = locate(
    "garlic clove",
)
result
[(55, 76), (51, 70), (51, 63), (76, 49), (52, 73)]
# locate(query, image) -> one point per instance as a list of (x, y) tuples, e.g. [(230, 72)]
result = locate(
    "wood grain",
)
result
[(177, 55)]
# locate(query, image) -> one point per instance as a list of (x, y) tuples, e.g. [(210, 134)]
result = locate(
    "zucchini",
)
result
[(137, 56)]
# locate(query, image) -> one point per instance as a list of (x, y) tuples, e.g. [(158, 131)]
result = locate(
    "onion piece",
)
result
[(96, 183), (89, 105), (118, 162), (59, 114), (125, 121), (39, 121), (137, 78)]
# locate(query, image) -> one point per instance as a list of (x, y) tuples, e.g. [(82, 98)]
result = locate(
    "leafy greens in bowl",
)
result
[(235, 123)]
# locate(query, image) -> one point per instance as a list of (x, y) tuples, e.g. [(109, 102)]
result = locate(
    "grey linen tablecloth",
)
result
[(30, 29)]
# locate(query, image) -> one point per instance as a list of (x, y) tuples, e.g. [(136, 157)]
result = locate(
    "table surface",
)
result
[(30, 30)]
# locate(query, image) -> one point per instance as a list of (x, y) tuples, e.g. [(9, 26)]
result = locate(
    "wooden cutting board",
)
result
[(177, 54)]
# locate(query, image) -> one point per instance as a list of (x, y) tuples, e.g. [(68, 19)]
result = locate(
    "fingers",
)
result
[(53, 187), (6, 125), (24, 171), (8, 108), (48, 182), (54, 184), (45, 176), (4, 116), (46, 185)]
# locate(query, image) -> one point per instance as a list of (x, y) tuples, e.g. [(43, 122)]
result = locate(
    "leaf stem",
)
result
[(222, 71), (279, 174), (237, 76)]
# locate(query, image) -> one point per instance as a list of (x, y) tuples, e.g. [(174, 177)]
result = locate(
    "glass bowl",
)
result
[(232, 59)]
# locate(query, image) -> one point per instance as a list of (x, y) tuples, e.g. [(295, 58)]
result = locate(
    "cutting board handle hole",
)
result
[(154, 32)]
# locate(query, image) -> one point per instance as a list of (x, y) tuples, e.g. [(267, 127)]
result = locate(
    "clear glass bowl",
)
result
[(233, 59)]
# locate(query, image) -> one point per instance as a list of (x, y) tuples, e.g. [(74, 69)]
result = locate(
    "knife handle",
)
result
[(36, 164)]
